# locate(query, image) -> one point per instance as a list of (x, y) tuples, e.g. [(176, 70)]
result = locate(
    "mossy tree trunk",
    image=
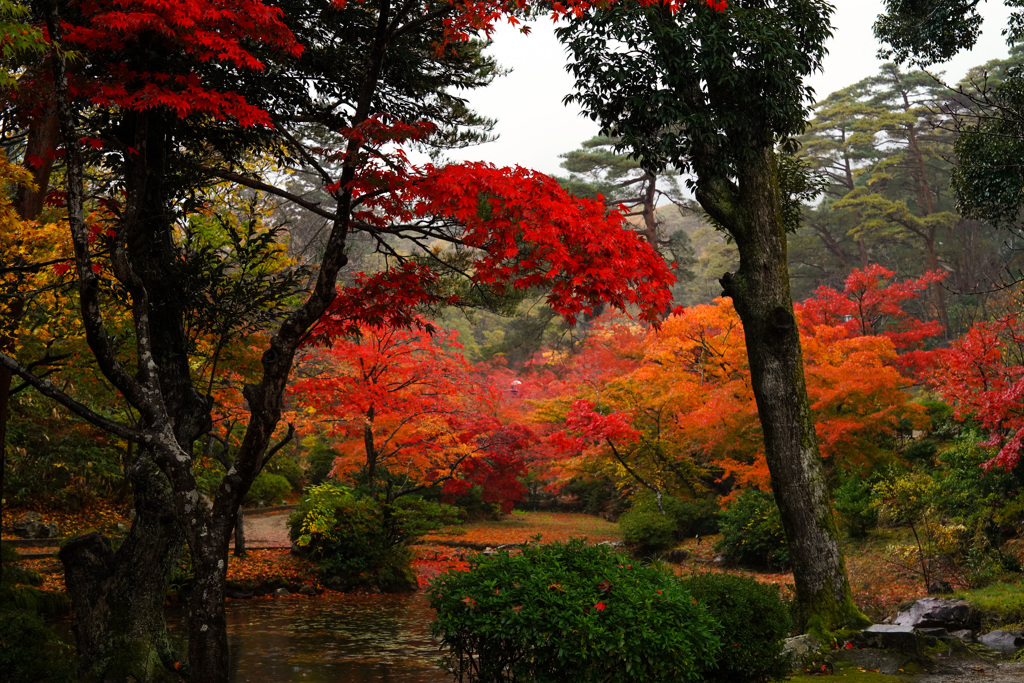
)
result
[(711, 93), (118, 597), (761, 294)]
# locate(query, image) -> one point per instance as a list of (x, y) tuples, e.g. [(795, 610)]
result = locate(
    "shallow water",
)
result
[(342, 639)]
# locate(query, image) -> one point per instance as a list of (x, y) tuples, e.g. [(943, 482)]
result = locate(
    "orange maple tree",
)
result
[(678, 410)]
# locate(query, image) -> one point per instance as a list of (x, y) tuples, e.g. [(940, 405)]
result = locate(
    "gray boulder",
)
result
[(944, 613), (898, 637), (31, 525), (965, 635), (801, 649), (1003, 641)]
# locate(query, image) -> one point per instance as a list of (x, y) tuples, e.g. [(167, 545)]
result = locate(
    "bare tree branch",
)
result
[(46, 388)]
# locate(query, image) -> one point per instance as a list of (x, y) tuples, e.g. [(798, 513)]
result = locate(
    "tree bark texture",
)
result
[(761, 294), (118, 597)]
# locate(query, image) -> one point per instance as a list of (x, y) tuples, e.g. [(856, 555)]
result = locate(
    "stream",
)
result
[(342, 639)]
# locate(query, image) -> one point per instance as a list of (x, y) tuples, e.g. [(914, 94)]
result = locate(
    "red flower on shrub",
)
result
[(599, 607)]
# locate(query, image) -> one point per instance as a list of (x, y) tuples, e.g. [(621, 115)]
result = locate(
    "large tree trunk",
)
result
[(207, 625), (761, 294), (118, 598)]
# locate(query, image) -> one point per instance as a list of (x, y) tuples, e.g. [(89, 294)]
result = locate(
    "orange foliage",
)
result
[(685, 390)]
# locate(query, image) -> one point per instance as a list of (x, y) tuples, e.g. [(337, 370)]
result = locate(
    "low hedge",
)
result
[(564, 612)]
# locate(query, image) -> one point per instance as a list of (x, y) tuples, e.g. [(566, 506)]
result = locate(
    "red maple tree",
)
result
[(982, 375)]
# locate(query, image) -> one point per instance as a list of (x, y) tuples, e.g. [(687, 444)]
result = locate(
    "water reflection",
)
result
[(342, 639)]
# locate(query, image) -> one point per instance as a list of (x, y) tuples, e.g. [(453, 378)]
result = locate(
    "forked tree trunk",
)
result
[(761, 294), (118, 597)]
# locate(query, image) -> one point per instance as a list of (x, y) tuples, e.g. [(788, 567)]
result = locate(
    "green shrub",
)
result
[(854, 505), (30, 651), (648, 533), (473, 506), (320, 461), (570, 612), (67, 466), (944, 424), (697, 517), (359, 540), (289, 468), (752, 534), (921, 452), (754, 625), (960, 515), (268, 489), (598, 496)]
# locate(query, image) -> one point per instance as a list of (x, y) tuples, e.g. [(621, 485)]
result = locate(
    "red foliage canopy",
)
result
[(520, 230), (982, 375), (201, 30), (872, 304)]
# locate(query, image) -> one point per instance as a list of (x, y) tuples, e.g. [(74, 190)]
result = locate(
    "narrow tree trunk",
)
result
[(207, 624), (118, 598), (761, 294), (240, 533)]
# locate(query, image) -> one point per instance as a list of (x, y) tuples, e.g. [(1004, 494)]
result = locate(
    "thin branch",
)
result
[(279, 445), (46, 388), (306, 155), (271, 189)]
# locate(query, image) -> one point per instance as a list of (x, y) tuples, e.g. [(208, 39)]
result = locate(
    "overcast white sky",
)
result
[(534, 127)]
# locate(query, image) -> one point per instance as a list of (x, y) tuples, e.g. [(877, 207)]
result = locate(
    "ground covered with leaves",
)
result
[(879, 585)]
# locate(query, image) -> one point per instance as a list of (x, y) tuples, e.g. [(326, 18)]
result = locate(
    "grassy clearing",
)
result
[(520, 527), (1002, 604)]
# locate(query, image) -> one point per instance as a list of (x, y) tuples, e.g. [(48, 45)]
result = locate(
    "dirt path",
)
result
[(267, 529), (263, 529), (973, 670)]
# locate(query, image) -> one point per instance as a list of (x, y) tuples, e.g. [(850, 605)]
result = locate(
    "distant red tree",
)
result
[(982, 375)]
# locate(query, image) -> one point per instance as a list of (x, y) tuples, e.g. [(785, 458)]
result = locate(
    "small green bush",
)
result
[(289, 468), (698, 517), (648, 533), (66, 466), (752, 534), (320, 461), (854, 505), (473, 506), (755, 622), (268, 489), (30, 652), (570, 612), (597, 495), (361, 541), (921, 452)]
